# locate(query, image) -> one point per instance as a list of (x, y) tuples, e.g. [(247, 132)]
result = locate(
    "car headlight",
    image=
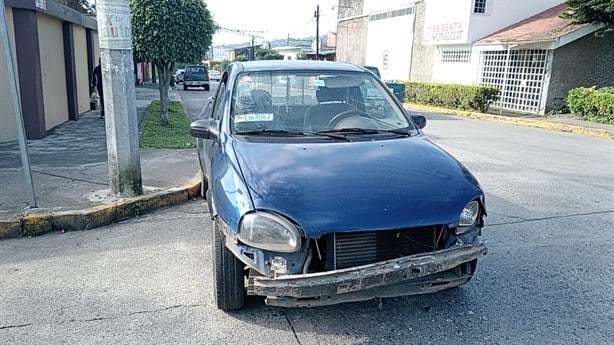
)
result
[(270, 232), (470, 213)]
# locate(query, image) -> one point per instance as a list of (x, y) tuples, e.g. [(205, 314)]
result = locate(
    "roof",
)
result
[(546, 26), (297, 65)]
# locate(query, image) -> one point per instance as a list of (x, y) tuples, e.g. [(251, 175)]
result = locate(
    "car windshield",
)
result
[(267, 103)]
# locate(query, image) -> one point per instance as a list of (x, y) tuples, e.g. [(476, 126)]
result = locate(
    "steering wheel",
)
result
[(346, 114)]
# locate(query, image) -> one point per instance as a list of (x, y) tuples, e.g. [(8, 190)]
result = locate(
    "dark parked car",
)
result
[(196, 76), (322, 189)]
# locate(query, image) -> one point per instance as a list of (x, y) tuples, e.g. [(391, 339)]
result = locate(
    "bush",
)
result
[(455, 96), (592, 104)]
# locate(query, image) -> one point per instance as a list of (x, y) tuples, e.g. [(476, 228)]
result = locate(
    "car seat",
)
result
[(331, 101)]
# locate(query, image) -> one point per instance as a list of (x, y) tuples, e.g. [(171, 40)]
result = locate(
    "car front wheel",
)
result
[(229, 287)]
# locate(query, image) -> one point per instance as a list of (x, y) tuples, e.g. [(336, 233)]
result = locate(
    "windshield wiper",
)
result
[(270, 131), (341, 131), (402, 131), (350, 130)]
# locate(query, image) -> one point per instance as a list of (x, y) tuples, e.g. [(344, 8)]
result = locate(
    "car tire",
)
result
[(185, 87), (229, 285), (206, 87)]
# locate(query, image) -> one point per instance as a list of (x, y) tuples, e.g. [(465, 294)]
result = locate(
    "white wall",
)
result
[(456, 72), (370, 6), (289, 53), (389, 46), (447, 21), (453, 21)]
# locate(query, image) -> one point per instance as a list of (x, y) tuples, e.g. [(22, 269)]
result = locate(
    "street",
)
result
[(547, 278)]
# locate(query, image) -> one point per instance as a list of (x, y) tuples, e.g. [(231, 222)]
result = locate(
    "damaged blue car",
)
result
[(323, 189)]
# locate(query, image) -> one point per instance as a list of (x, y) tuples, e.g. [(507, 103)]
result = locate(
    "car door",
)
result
[(208, 145)]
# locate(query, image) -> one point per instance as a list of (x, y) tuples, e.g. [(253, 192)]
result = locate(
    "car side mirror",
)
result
[(204, 129), (419, 120)]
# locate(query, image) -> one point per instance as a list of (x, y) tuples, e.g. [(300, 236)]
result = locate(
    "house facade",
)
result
[(525, 49), (54, 52)]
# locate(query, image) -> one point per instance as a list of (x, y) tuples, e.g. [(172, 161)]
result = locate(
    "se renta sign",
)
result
[(114, 31)]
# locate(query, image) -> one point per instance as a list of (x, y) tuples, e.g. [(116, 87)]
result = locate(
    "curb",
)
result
[(561, 127), (40, 223)]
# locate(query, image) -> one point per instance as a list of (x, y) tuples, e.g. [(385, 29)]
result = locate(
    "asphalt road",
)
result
[(195, 98), (546, 280)]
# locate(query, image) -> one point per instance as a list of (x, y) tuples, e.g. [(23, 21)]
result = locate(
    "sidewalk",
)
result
[(71, 178), (562, 123)]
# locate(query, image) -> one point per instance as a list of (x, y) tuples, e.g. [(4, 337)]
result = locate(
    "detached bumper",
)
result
[(415, 274)]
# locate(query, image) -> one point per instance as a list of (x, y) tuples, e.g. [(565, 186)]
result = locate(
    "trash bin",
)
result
[(398, 89)]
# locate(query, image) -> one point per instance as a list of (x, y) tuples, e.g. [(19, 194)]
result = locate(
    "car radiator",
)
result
[(361, 248)]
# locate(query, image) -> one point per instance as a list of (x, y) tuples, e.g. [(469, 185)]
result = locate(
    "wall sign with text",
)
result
[(114, 28)]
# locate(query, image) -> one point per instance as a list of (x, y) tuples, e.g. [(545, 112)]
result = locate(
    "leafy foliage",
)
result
[(268, 54), (451, 95), (592, 104), (82, 6), (169, 31), (591, 11)]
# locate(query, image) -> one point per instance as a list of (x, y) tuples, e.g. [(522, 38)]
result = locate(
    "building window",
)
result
[(479, 6), (462, 56)]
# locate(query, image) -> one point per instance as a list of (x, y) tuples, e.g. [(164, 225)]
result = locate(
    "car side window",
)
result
[(218, 107)]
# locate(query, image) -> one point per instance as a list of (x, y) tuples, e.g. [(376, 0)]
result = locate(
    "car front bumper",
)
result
[(410, 275)]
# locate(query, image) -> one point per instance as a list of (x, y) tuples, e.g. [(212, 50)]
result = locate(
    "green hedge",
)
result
[(451, 95), (592, 104)]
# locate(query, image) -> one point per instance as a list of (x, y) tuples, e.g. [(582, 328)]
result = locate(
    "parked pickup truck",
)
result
[(196, 76)]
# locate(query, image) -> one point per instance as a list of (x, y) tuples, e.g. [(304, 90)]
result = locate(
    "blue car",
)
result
[(323, 190)]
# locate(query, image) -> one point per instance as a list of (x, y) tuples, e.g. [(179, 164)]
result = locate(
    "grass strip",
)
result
[(176, 135)]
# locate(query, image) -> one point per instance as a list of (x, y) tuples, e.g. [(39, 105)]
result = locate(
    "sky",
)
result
[(274, 18)]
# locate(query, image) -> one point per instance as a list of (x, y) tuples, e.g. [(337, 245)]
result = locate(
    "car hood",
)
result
[(357, 186)]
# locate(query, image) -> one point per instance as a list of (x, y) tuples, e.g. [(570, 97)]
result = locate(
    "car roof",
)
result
[(295, 65)]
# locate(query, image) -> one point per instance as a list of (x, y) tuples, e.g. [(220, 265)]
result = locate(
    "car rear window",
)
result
[(195, 70)]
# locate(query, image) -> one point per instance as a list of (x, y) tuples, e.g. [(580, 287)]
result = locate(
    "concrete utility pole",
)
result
[(115, 36)]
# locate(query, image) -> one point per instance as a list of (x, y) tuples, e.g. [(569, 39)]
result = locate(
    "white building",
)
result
[(521, 47)]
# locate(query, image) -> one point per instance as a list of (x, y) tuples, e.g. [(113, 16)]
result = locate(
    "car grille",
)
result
[(361, 248)]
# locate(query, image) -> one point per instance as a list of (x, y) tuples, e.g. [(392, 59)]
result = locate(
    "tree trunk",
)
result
[(164, 75)]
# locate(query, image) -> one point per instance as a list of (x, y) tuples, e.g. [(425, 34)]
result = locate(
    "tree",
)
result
[(165, 32), (82, 6), (600, 12), (268, 54)]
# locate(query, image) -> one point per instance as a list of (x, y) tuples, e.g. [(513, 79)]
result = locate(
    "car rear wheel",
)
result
[(206, 87), (185, 87), (229, 287)]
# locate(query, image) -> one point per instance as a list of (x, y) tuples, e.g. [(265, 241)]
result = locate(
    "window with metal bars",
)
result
[(479, 6), (518, 75), (463, 56)]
